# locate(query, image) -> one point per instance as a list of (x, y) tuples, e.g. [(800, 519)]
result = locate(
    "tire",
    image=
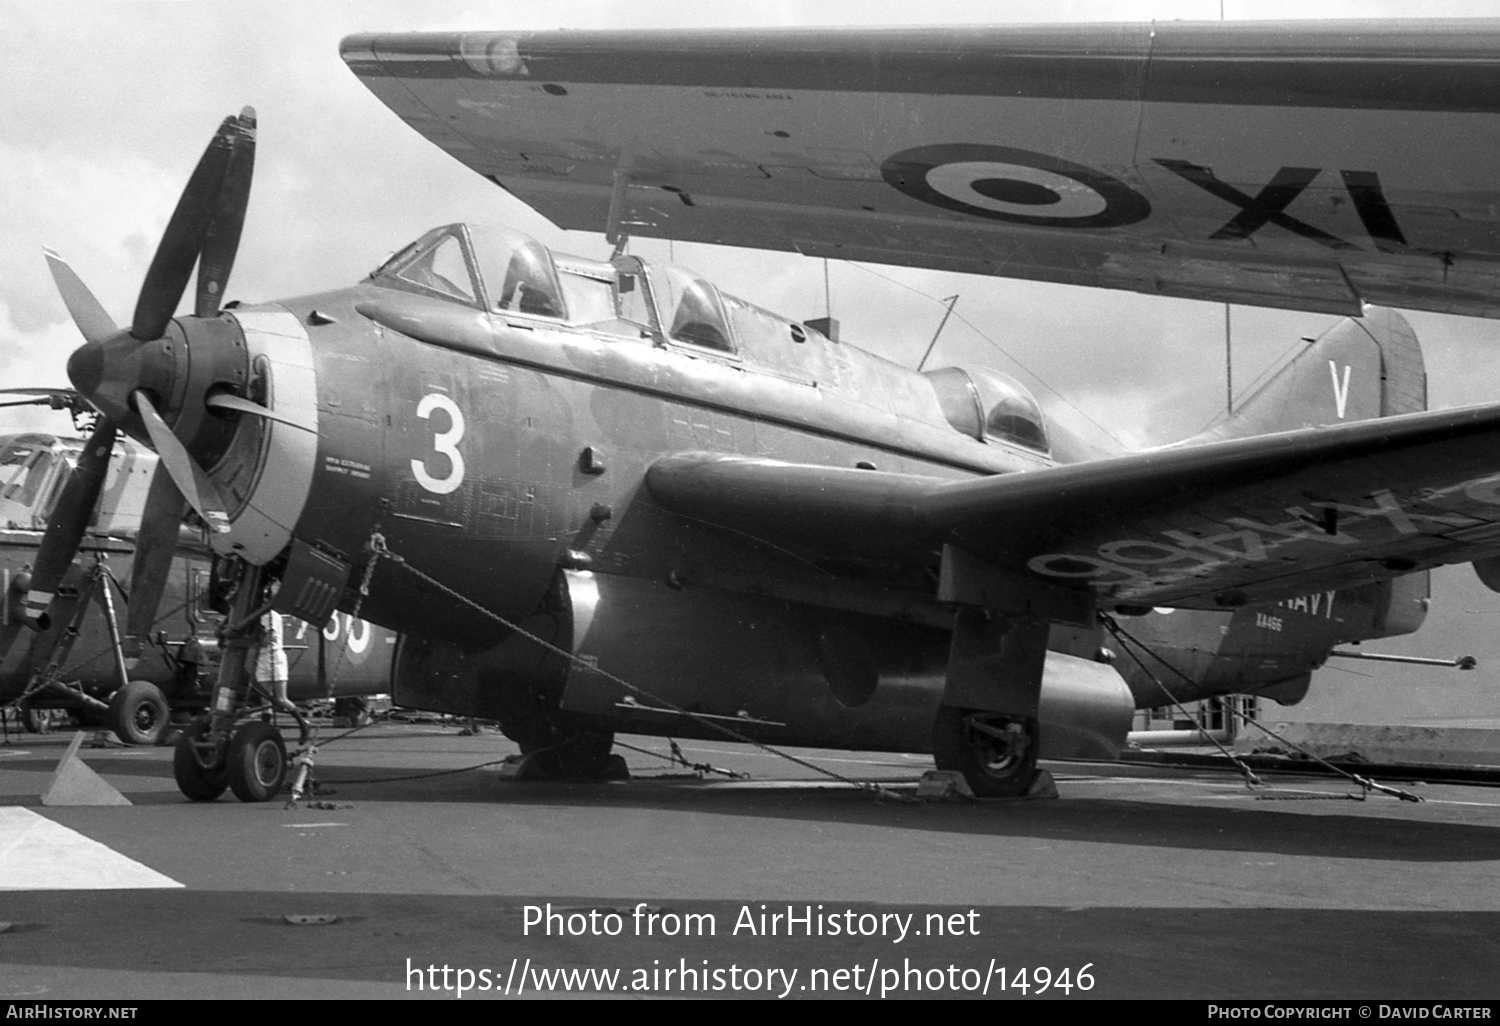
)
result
[(257, 762), (575, 755), (139, 714), (993, 767), (351, 711), (34, 720), (195, 782)]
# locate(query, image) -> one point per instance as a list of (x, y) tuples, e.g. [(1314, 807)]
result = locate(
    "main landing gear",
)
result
[(995, 753), (218, 751)]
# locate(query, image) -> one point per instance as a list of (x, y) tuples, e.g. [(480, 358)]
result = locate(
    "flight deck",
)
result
[(413, 874)]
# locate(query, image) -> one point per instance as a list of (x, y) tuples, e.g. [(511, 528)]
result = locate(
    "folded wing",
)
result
[(1305, 165)]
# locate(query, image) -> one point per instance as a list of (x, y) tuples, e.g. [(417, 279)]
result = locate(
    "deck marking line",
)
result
[(37, 854)]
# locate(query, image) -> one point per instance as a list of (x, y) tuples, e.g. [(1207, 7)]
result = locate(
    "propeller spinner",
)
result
[(158, 379)]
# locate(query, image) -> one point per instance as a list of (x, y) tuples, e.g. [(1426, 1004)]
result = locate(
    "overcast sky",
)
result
[(105, 108)]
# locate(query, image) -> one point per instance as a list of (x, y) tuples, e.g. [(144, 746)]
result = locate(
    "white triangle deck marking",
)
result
[(37, 854)]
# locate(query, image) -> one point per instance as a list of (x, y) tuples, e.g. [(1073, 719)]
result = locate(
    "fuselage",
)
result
[(496, 435)]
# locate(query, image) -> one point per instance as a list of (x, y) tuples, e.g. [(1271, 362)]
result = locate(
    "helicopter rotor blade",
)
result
[(57, 398)]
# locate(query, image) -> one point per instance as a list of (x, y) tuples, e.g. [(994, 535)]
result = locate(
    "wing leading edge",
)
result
[(1206, 526), (1313, 165)]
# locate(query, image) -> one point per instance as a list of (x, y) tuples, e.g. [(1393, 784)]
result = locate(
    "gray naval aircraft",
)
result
[(605, 495)]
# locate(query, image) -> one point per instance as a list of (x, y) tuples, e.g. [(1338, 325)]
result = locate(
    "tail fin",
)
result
[(1358, 369)]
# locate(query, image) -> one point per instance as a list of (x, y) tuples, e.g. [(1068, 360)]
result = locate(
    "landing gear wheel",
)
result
[(351, 711), (138, 713), (257, 762), (195, 782), (36, 721), (577, 755), (995, 753)]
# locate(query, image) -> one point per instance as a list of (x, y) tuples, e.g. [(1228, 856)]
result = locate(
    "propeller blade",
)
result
[(194, 484), (93, 323), (155, 546), (183, 240), (227, 401), (69, 520), (223, 237)]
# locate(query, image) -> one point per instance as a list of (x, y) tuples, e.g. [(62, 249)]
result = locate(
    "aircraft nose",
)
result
[(106, 371), (86, 368)]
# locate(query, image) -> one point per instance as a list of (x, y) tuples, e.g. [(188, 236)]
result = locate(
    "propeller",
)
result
[(184, 472), (230, 401), (70, 518), (93, 323), (168, 382), (155, 546)]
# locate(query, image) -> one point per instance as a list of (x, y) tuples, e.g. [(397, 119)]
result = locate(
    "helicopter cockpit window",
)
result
[(696, 315), (441, 268), (54, 494), (518, 272), (22, 471)]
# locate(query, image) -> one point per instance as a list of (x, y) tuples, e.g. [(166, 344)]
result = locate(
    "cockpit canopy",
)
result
[(692, 310), (481, 265), (499, 270), (990, 406)]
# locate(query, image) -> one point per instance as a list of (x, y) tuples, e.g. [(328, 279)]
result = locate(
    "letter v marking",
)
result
[(1340, 391)]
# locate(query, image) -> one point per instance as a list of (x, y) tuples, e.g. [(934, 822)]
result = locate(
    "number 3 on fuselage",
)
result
[(445, 443)]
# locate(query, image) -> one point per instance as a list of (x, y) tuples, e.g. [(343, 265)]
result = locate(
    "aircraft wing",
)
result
[(1205, 526), (1308, 165)]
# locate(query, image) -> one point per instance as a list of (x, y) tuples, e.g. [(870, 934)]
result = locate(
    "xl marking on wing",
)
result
[(1269, 205)]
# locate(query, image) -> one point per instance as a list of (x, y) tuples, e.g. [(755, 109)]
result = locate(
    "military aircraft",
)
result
[(97, 657), (601, 495)]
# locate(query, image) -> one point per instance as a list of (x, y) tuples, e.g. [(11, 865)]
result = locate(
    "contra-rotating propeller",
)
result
[(165, 382)]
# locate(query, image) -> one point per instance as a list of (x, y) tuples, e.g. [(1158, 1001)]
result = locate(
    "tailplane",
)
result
[(1359, 369)]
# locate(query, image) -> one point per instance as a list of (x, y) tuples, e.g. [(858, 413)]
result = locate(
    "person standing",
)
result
[(269, 672)]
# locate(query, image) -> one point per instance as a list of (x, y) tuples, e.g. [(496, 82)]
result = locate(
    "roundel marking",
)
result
[(1018, 186)]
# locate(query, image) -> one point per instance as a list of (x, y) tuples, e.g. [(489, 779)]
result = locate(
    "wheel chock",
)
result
[(950, 784), (73, 783), (521, 768), (1043, 786), (943, 784)]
